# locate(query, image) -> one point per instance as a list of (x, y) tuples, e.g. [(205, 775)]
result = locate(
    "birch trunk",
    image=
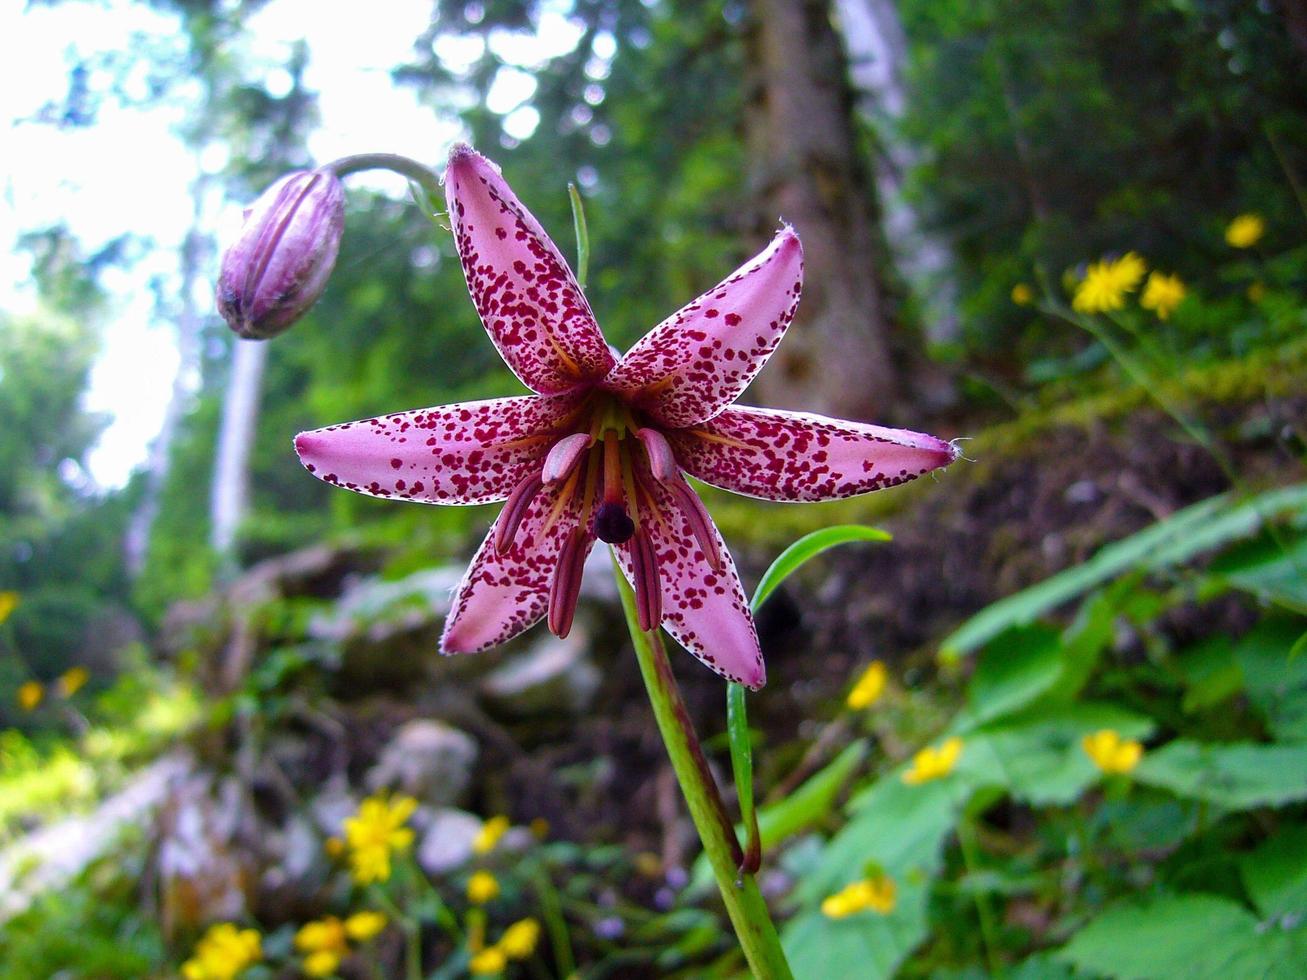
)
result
[(230, 495)]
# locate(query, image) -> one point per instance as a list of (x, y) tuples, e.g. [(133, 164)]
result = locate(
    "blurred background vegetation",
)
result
[(252, 652)]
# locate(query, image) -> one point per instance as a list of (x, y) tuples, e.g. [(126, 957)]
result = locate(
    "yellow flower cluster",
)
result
[(1105, 285), (1112, 753), (72, 681), (482, 887), (1245, 231), (8, 603), (374, 833), (933, 763), (870, 686), (489, 834), (1022, 294), (517, 943), (30, 694), (223, 952), (878, 893), (1162, 294), (325, 942)]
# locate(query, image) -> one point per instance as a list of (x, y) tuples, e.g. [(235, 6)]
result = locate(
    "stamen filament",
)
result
[(700, 523), (648, 583), (515, 508), (566, 587)]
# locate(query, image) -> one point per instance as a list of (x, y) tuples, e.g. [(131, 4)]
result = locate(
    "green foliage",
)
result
[(1035, 695)]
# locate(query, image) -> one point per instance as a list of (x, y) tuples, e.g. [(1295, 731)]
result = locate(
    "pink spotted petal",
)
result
[(502, 595), (704, 610), (697, 361), (794, 456), (467, 453), (528, 299)]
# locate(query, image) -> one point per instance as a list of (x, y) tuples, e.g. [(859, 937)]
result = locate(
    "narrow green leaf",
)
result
[(1189, 532), (806, 548), (737, 722), (582, 235)]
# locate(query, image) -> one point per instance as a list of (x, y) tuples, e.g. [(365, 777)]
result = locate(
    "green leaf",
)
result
[(1276, 680), (1237, 776), (1180, 537), (1270, 570), (806, 548), (901, 829), (1015, 668), (1037, 756), (1210, 673), (1276, 875), (1191, 936), (812, 801)]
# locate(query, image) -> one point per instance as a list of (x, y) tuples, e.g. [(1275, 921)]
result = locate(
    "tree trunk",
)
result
[(230, 495), (136, 540), (878, 54), (836, 358)]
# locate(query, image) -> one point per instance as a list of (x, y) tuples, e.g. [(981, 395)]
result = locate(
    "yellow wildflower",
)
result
[(933, 763), (223, 952), (488, 836), (482, 887), (1162, 294), (870, 686), (1245, 231), (519, 940), (1110, 752), (362, 926), (72, 681), (878, 893), (8, 603), (488, 961), (1105, 284), (376, 831), (1022, 294), (324, 942), (30, 694)]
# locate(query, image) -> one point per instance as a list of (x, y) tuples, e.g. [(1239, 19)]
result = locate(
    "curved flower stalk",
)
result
[(602, 449)]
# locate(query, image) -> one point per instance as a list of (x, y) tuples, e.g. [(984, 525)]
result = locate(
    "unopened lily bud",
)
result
[(280, 264)]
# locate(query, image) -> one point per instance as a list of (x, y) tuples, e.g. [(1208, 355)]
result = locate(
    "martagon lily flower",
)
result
[(602, 449)]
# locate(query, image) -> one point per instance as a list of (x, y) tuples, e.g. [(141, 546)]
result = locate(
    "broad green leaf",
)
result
[(1180, 537), (1276, 874), (1015, 668), (901, 830), (806, 548), (1037, 756), (1237, 776), (866, 945), (1210, 673), (812, 801), (1270, 570), (1192, 936), (1276, 680)]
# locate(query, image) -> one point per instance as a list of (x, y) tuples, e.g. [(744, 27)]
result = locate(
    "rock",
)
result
[(203, 860), (447, 843), (428, 760), (549, 676), (388, 632)]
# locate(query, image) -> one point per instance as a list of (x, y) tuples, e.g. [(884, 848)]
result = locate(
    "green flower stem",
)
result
[(744, 902), (412, 934), (420, 174)]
